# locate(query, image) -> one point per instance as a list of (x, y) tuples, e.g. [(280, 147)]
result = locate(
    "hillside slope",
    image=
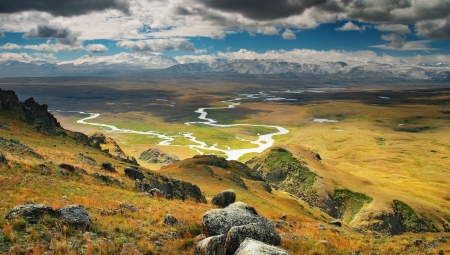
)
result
[(59, 168)]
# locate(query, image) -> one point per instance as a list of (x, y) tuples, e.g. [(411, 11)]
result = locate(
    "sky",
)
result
[(55, 30)]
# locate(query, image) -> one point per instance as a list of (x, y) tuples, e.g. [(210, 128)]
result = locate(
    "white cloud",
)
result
[(2, 34), (46, 56), (157, 45), (22, 57), (350, 26), (96, 48), (218, 35), (288, 35), (402, 45), (268, 30), (396, 28), (10, 46), (53, 47)]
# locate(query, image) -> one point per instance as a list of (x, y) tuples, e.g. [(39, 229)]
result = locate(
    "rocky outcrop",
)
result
[(76, 216), (29, 112), (31, 212), (224, 198), (227, 228), (134, 173), (110, 146), (253, 247), (3, 159), (170, 188), (18, 149), (107, 179), (157, 156)]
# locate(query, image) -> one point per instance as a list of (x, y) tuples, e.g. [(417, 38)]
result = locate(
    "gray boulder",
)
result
[(220, 221), (31, 212), (108, 167), (76, 216), (134, 173), (253, 247), (214, 245), (336, 223), (224, 198)]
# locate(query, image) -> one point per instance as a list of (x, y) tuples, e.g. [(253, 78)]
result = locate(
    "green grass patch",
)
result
[(349, 203), (410, 220)]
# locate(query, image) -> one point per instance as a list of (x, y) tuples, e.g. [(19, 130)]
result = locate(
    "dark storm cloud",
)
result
[(63, 7), (262, 9), (63, 35), (436, 30), (390, 10)]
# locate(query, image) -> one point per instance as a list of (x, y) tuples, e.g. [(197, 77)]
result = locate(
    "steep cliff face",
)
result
[(30, 112)]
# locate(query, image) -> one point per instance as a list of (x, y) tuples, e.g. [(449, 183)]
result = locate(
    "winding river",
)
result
[(263, 142)]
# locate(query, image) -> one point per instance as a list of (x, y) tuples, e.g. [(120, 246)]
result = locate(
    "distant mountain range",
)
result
[(126, 63)]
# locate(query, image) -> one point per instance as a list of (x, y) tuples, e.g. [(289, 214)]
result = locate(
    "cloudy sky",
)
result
[(56, 30)]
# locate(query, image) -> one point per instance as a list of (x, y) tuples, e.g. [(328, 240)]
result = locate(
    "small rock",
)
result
[(254, 247), (170, 220), (283, 217), (129, 207), (336, 223), (76, 216), (418, 242), (134, 173), (324, 242), (3, 159), (322, 227), (214, 245), (224, 198), (67, 167), (155, 192), (158, 243), (108, 167)]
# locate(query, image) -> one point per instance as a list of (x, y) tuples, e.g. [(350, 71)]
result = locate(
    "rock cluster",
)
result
[(73, 215), (227, 229), (134, 173), (169, 188)]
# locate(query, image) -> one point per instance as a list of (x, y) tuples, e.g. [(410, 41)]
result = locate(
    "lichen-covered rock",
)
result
[(107, 179), (76, 216), (238, 234), (31, 212), (154, 192), (336, 223), (224, 198), (220, 221), (170, 220), (214, 245), (253, 247), (134, 173), (108, 167)]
